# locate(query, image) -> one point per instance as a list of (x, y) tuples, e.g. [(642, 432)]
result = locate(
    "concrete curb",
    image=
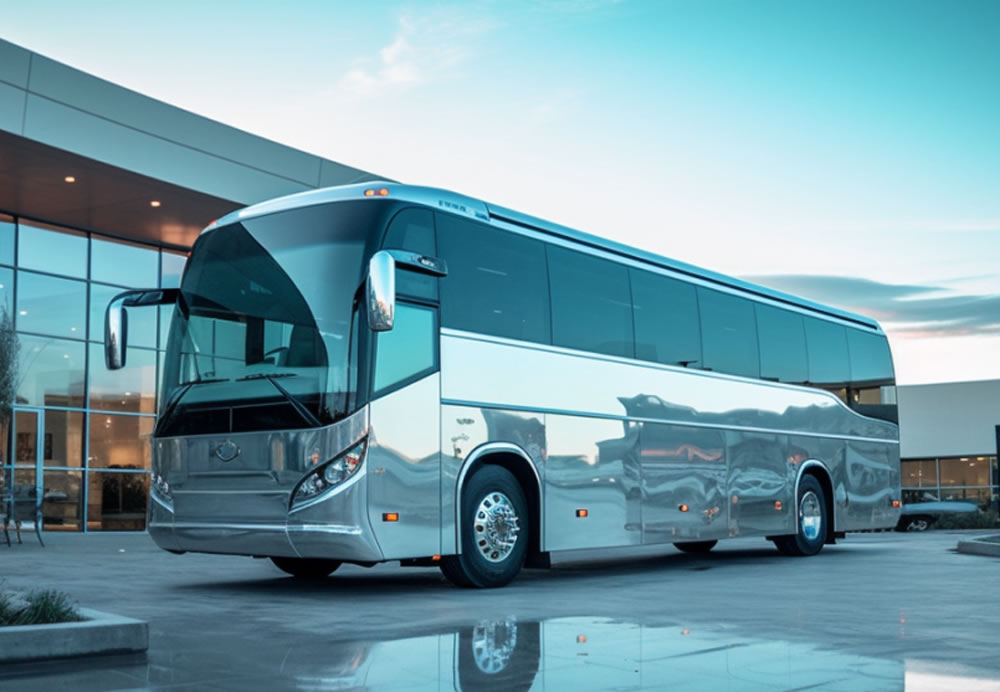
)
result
[(100, 633), (978, 546)]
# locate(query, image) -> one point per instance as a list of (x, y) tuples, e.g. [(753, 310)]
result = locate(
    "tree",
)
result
[(9, 350)]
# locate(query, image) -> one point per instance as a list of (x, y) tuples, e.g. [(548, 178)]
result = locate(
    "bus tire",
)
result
[(305, 568), (810, 524), (695, 546), (494, 528)]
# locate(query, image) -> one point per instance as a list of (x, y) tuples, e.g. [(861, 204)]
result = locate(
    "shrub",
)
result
[(972, 520), (42, 607)]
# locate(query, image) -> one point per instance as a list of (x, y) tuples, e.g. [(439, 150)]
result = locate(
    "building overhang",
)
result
[(33, 183)]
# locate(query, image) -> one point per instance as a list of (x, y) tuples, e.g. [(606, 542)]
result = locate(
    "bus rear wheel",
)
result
[(494, 529), (810, 524), (695, 546), (305, 568)]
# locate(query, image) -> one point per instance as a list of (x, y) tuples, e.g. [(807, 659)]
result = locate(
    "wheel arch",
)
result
[(820, 471), (518, 462)]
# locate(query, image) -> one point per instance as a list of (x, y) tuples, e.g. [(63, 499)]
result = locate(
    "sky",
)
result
[(845, 151)]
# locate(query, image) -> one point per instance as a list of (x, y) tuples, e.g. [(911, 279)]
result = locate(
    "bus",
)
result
[(382, 372)]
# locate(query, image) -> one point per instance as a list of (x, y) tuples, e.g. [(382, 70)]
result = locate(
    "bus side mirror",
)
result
[(116, 320), (381, 291)]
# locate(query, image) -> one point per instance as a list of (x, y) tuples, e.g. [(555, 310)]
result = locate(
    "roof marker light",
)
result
[(377, 192)]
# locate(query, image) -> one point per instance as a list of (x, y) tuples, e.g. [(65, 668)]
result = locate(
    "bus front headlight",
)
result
[(330, 474)]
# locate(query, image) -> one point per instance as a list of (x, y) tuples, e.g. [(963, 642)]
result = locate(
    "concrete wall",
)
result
[(57, 105), (950, 419)]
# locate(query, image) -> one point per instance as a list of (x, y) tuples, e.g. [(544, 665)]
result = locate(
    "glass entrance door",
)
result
[(47, 453)]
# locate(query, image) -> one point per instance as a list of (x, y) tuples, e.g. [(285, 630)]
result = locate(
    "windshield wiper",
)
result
[(299, 407), (178, 394)]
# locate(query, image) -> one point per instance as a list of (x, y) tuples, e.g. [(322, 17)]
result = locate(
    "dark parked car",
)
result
[(920, 515)]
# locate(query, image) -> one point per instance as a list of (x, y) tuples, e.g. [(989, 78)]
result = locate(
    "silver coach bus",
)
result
[(387, 372)]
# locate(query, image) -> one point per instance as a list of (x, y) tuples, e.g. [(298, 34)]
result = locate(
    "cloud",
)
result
[(912, 311), (423, 47)]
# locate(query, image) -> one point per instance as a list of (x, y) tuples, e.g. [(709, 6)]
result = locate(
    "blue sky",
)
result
[(847, 151)]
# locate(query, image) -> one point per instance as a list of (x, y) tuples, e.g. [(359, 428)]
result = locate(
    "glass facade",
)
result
[(962, 479), (79, 432)]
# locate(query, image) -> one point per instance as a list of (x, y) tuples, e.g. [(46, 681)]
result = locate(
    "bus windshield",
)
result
[(265, 334)]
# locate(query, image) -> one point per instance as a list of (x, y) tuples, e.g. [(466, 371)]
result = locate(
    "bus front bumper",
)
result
[(335, 528)]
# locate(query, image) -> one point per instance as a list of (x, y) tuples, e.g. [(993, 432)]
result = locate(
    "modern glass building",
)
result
[(103, 189), (949, 434)]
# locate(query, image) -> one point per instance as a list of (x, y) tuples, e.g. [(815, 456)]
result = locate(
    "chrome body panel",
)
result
[(591, 464), (469, 434), (241, 506), (632, 442), (404, 469)]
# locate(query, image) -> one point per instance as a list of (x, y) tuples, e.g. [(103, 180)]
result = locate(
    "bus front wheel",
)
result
[(494, 530), (304, 568), (810, 523)]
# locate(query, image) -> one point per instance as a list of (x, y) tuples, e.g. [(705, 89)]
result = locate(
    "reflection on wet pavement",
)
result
[(578, 653)]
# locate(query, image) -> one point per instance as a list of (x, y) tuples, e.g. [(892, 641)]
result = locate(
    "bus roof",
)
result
[(446, 200)]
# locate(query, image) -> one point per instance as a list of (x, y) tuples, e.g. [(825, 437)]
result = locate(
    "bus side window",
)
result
[(413, 230), (782, 337), (829, 367), (666, 320), (409, 351), (728, 333)]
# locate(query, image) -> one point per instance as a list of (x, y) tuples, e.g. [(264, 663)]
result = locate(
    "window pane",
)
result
[(171, 269), (25, 438), (729, 333), (591, 303), (125, 264), (51, 249), (141, 321), (63, 438), (117, 501), (920, 473), (981, 496), (871, 363), (132, 389), (51, 371), (120, 442), (62, 500), (827, 346), (7, 230), (48, 305), (782, 345), (496, 281), (965, 471), (413, 230), (408, 349), (666, 320), (7, 290)]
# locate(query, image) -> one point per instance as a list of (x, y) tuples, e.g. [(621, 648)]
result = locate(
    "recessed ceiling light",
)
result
[(155, 203), (23, 313), (69, 179)]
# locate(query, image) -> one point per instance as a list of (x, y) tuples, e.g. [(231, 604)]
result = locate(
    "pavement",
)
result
[(877, 611)]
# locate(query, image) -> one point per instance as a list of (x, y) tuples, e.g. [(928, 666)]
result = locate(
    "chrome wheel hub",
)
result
[(810, 516), (495, 527)]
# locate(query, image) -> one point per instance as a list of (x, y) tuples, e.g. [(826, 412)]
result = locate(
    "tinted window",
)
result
[(591, 303), (496, 281), (666, 319), (6, 240), (48, 305), (782, 345), (124, 264), (870, 359), (408, 350), (729, 333), (50, 371), (413, 230), (826, 345), (51, 249)]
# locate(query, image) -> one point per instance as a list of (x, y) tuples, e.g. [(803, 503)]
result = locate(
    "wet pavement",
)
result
[(877, 612)]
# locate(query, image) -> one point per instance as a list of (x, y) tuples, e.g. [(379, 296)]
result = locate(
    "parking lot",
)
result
[(877, 611)]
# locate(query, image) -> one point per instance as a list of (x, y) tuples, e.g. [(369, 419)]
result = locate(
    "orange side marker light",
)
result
[(582, 513), (390, 516)]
